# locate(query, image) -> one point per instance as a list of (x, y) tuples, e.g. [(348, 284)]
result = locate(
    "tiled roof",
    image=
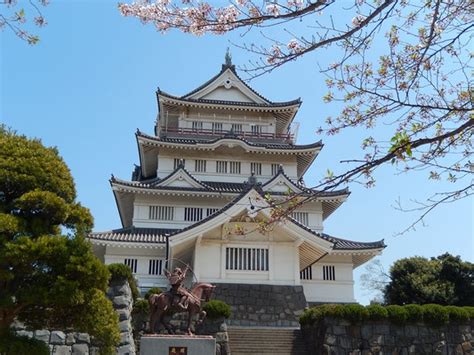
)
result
[(344, 244), (135, 235), (195, 141)]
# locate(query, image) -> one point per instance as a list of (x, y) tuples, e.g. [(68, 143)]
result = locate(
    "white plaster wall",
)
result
[(231, 94)]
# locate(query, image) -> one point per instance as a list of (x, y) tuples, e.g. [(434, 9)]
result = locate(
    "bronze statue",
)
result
[(178, 299)]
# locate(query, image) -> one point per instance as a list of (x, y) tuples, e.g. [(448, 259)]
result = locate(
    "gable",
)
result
[(180, 178), (227, 87), (281, 184)]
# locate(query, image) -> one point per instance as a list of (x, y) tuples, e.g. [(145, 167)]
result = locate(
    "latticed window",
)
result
[(200, 166), (221, 167), (192, 214), (275, 168), (247, 259), (216, 127), (132, 264), (210, 211), (235, 167), (237, 127), (301, 217), (256, 168), (306, 273), (155, 266), (197, 125), (161, 213), (256, 129), (178, 161), (329, 272)]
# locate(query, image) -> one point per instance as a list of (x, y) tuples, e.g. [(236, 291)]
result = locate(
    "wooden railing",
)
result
[(221, 133)]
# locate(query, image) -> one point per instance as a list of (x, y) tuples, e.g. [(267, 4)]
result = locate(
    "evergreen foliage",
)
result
[(216, 309), (151, 291), (48, 279), (431, 314), (11, 344), (121, 272)]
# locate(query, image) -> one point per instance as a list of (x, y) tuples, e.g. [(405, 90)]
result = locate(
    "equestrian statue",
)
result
[(178, 300)]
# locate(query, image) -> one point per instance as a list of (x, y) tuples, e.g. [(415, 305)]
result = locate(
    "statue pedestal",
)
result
[(158, 344)]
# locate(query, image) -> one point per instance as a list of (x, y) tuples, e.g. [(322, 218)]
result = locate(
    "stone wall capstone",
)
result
[(74, 343), (262, 305), (339, 337)]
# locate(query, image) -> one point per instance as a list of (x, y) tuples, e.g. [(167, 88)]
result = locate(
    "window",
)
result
[(178, 161), (246, 259), (132, 264), (275, 169), (235, 167), (221, 167), (237, 128), (197, 126), (301, 217), (256, 168), (329, 272), (155, 266), (161, 213), (192, 214), (210, 211), (200, 166), (216, 127), (256, 129), (306, 273)]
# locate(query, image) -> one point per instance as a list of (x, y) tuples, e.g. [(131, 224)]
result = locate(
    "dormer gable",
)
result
[(282, 183), (181, 178)]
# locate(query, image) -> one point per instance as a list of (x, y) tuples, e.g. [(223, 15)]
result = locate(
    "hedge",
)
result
[(121, 272), (432, 314), (216, 309)]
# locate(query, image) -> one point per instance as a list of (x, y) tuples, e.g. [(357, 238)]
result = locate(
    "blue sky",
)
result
[(91, 81)]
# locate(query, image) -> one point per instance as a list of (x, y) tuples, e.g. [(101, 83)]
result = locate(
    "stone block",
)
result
[(125, 350), (121, 301), (125, 326), (70, 339), (366, 331), (339, 330), (24, 333), (125, 338), (17, 325), (80, 349), (330, 339), (61, 350), (57, 337), (123, 314), (42, 335), (82, 338)]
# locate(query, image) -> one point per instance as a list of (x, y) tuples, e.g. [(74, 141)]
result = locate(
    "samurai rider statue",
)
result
[(180, 294)]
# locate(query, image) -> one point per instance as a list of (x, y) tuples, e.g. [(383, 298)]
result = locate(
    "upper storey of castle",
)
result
[(225, 105)]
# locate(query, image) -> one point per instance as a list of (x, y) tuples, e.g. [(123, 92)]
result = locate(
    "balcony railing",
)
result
[(288, 137)]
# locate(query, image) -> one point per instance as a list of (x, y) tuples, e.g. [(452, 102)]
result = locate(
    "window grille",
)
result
[(256, 168), (306, 273), (192, 214), (197, 126), (216, 127), (329, 272), (247, 259), (235, 167), (155, 266), (132, 264), (177, 161), (221, 167), (275, 168), (301, 217), (210, 211), (237, 128), (256, 129), (161, 213), (200, 166)]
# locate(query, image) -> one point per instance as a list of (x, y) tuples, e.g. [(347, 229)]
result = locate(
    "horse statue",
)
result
[(178, 300)]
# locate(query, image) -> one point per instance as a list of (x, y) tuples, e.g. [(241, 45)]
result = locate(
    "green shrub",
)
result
[(377, 312), (435, 314), (355, 313), (11, 344), (141, 306), (216, 309), (152, 291), (332, 310), (310, 316), (470, 311), (121, 272), (397, 314), (457, 314), (414, 312)]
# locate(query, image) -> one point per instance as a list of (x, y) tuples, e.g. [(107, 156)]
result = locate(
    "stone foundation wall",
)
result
[(339, 337), (262, 305), (67, 343)]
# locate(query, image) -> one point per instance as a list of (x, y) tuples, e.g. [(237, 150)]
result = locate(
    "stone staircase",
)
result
[(266, 340)]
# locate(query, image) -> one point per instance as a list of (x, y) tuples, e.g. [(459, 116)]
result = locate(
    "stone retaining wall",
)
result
[(67, 343), (262, 305), (339, 337)]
